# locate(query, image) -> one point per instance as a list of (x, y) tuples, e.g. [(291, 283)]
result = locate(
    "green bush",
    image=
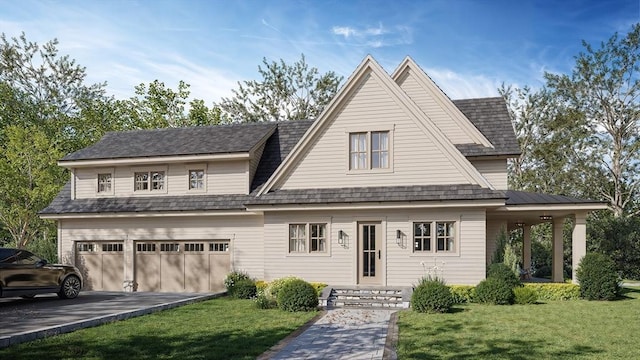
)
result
[(273, 288), (494, 291), (462, 293), (432, 296), (297, 295), (243, 289), (232, 278), (503, 272), (525, 295), (262, 302), (598, 277), (261, 285), (319, 287), (555, 291)]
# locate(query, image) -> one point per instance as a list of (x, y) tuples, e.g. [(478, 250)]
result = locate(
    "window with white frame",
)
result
[(369, 150), (196, 179), (149, 181), (105, 183), (307, 238), (436, 236)]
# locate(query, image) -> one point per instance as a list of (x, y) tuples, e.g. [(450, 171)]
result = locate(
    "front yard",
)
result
[(555, 330), (217, 329)]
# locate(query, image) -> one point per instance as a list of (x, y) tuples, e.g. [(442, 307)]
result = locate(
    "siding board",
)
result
[(495, 171)]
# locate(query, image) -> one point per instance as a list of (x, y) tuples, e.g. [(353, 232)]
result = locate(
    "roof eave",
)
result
[(153, 160)]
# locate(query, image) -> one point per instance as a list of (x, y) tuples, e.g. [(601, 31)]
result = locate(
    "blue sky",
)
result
[(468, 47)]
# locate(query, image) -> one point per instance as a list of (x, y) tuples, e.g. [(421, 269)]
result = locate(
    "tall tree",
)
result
[(286, 92), (604, 90)]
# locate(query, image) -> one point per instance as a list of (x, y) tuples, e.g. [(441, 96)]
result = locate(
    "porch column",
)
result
[(526, 247), (557, 252), (578, 243)]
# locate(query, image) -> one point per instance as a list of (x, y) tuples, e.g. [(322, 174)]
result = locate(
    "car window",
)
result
[(7, 256), (26, 258)]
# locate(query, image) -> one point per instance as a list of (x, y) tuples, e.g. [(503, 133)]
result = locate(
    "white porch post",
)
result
[(526, 247), (578, 243), (557, 272)]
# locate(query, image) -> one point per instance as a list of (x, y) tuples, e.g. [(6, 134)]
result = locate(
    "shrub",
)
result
[(243, 289), (319, 287), (432, 296), (263, 303), (598, 277), (273, 288), (503, 272), (555, 291), (462, 293), (261, 285), (525, 295), (232, 279), (494, 291), (297, 295)]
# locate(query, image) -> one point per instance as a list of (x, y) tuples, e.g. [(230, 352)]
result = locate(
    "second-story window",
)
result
[(196, 179), (149, 180), (104, 183), (369, 150)]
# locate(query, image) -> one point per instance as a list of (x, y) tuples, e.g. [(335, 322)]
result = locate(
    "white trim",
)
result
[(104, 171), (307, 222), (554, 207), (152, 160), (193, 167), (377, 205), (148, 214), (434, 237), (441, 98)]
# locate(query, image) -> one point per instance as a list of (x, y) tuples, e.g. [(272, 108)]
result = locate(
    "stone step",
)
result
[(361, 297), (390, 297), (366, 303)]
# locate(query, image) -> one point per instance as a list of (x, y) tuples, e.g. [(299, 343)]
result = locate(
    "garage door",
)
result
[(101, 264), (185, 266)]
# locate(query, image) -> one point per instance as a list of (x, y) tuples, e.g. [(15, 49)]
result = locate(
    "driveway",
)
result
[(46, 315)]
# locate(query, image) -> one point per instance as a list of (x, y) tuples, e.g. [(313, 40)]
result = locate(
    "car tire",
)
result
[(70, 287)]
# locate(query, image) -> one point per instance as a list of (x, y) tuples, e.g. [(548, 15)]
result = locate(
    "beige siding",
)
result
[(244, 232), (495, 171), (403, 267), (434, 110), (222, 177), (414, 158), (494, 228)]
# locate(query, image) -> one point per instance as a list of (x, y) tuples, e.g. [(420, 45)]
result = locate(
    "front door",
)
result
[(369, 254)]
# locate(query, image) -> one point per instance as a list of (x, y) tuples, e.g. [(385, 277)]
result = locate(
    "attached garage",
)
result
[(181, 266), (101, 264)]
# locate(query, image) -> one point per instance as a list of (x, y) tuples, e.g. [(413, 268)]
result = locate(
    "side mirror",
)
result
[(41, 263)]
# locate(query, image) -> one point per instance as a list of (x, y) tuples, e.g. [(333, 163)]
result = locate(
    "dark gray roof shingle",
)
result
[(219, 139), (377, 194), (491, 117), (515, 197)]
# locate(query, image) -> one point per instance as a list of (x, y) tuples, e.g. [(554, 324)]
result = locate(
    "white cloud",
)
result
[(344, 31), (463, 86), (375, 36)]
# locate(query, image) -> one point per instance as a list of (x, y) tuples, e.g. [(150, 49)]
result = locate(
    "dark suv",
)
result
[(24, 274)]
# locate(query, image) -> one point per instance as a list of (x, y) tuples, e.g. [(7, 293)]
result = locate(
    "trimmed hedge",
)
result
[(462, 293), (297, 295), (525, 295), (273, 288), (598, 277), (243, 289), (555, 291), (494, 291), (432, 296), (319, 287)]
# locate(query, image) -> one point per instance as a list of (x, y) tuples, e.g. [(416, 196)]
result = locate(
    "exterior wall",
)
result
[(402, 267), (495, 171), (494, 227), (433, 109), (245, 233), (414, 159), (223, 177)]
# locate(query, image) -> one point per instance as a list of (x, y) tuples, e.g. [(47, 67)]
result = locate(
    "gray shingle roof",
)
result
[(515, 197), (378, 194), (219, 139), (491, 117)]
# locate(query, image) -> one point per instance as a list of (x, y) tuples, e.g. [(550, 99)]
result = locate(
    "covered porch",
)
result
[(523, 209)]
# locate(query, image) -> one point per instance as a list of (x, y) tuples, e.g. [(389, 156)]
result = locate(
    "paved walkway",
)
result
[(340, 334)]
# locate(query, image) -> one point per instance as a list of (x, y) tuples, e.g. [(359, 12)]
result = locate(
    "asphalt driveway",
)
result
[(46, 315)]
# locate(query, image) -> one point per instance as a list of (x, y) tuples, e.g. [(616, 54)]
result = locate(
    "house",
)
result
[(391, 181)]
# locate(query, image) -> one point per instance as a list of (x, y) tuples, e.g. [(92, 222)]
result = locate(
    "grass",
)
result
[(555, 330), (217, 329)]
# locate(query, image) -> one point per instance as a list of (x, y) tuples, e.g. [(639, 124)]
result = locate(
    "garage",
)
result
[(181, 266), (101, 264)]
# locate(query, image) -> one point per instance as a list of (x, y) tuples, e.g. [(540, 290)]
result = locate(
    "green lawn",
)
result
[(217, 329), (555, 330)]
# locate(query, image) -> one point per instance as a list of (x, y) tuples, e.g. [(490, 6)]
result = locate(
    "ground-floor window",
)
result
[(442, 232), (307, 238)]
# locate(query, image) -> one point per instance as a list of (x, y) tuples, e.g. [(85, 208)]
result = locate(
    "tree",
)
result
[(603, 90), (286, 92), (30, 179)]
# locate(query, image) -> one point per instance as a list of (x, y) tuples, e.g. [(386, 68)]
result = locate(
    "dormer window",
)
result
[(369, 150), (149, 181), (104, 183), (196, 179)]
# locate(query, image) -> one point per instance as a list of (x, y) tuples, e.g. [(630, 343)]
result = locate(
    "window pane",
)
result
[(196, 179), (358, 151), (141, 181), (157, 180), (422, 236), (379, 150)]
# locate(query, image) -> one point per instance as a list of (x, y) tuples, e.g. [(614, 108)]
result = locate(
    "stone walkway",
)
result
[(340, 334)]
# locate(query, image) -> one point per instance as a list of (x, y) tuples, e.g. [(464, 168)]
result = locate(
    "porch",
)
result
[(522, 210)]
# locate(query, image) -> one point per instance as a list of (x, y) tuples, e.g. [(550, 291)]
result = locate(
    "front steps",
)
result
[(365, 297)]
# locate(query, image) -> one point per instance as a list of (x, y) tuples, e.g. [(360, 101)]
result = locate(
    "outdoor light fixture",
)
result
[(399, 237), (519, 224), (341, 237), (546, 217)]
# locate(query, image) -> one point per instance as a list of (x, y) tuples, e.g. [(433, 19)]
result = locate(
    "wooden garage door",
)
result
[(182, 266), (101, 265)]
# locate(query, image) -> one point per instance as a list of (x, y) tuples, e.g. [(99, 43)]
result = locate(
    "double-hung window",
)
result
[(105, 185), (438, 236), (307, 238), (369, 150), (149, 181), (196, 179)]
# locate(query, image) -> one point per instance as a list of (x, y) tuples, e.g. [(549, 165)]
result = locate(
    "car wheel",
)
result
[(27, 296), (70, 288)]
